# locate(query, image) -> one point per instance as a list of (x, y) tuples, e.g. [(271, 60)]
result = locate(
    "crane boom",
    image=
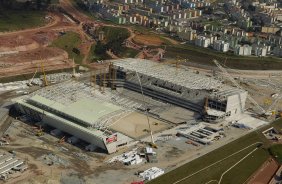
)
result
[(32, 78), (237, 85)]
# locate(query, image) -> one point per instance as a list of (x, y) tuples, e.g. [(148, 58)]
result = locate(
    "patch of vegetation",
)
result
[(79, 4), (205, 56), (276, 152), (70, 42), (128, 52), (114, 33), (239, 174), (98, 52), (92, 57), (11, 20), (114, 37), (26, 5), (16, 15)]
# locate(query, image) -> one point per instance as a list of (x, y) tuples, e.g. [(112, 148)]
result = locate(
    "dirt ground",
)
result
[(148, 40), (18, 47), (265, 172), (28, 62), (135, 125)]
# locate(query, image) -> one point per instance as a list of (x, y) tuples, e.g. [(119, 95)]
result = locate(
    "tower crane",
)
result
[(146, 111), (238, 86)]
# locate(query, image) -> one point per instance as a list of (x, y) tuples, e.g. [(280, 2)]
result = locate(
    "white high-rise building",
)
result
[(203, 41), (259, 50), (245, 50), (220, 45)]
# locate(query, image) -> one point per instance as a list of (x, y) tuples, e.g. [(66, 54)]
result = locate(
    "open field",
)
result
[(69, 42), (27, 62), (276, 151), (11, 20), (128, 52), (148, 40), (241, 172)]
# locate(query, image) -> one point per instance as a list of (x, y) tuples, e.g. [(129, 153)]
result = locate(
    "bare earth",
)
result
[(135, 123)]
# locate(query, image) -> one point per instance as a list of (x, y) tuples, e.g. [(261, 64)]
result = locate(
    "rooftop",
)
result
[(182, 77), (87, 111)]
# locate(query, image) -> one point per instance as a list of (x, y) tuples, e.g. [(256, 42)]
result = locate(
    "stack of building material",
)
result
[(151, 173)]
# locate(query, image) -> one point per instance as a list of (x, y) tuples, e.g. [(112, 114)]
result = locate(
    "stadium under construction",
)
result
[(76, 108)]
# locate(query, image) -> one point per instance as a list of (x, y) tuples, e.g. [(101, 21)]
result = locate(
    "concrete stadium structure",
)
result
[(80, 118), (73, 108), (182, 87)]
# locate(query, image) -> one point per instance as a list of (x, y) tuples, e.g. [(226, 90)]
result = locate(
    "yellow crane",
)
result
[(44, 75), (39, 132)]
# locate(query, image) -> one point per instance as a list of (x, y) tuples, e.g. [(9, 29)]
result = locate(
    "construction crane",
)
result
[(44, 75), (152, 144), (30, 82), (238, 86)]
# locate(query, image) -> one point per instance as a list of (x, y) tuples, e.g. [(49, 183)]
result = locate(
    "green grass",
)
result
[(128, 53), (54, 2), (92, 56), (111, 33), (237, 175), (276, 151), (67, 42), (205, 56), (11, 20)]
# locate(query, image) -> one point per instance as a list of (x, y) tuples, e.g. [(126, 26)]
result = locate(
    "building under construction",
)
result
[(71, 108), (181, 87), (75, 108)]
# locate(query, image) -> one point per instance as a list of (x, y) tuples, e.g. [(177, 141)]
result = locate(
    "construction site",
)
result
[(109, 119), (131, 104), (69, 116)]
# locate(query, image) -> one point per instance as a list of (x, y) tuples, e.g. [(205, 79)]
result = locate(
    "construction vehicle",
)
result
[(62, 140), (39, 132)]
